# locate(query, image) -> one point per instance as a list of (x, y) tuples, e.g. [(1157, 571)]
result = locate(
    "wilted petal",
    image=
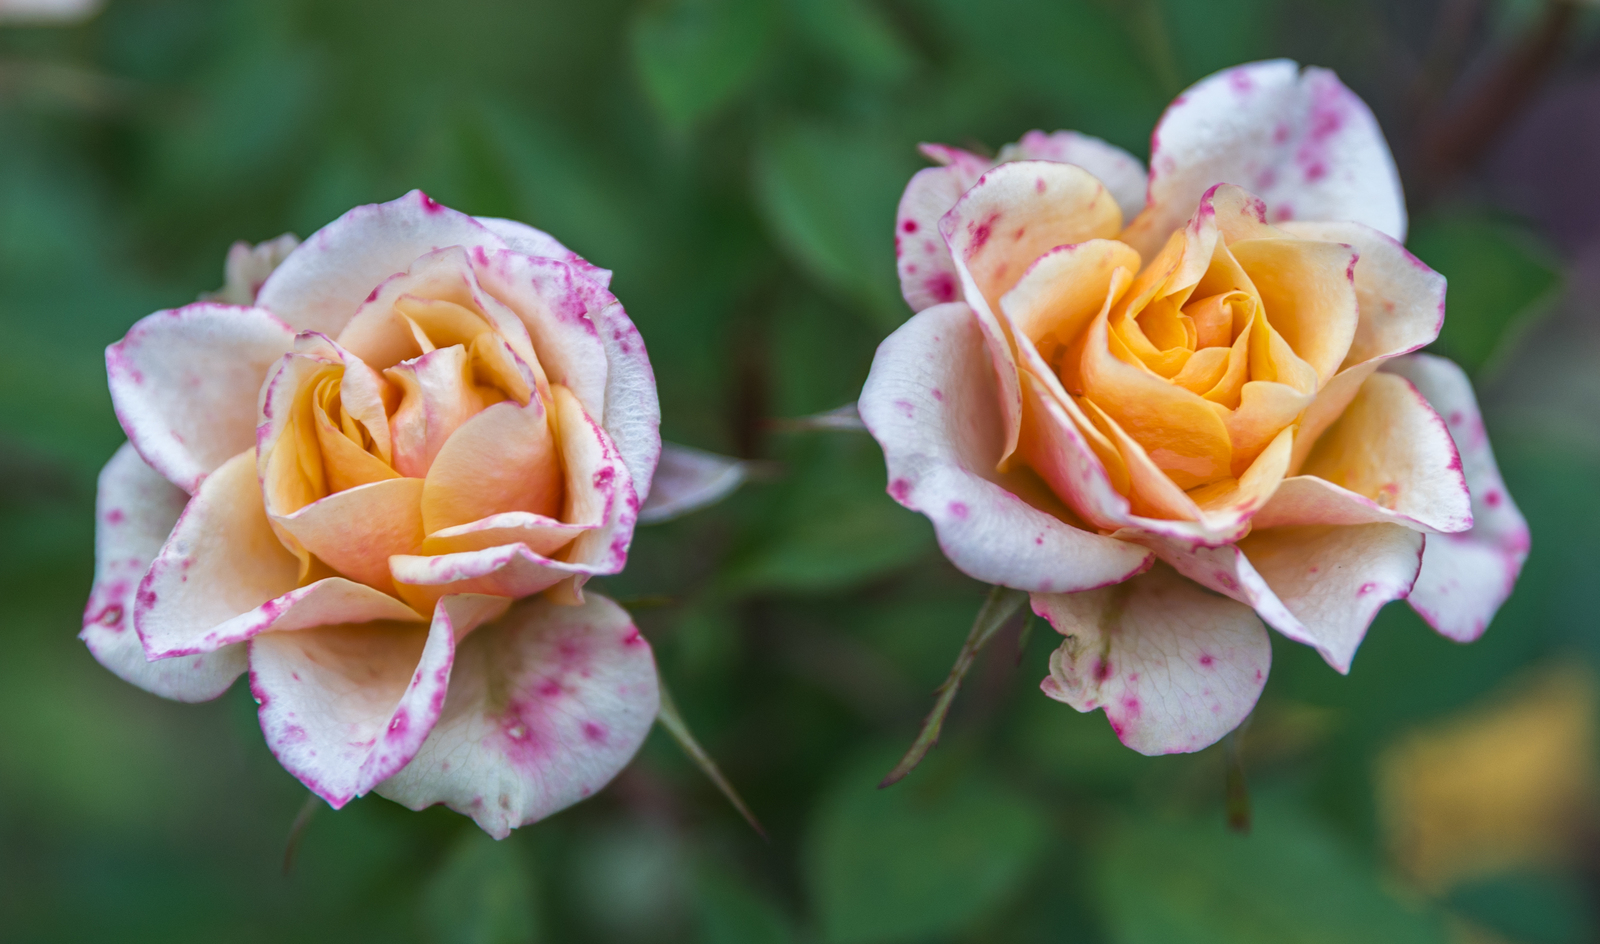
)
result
[(546, 705), (1300, 140), (344, 707), (930, 401), (184, 384), (690, 479), (1466, 576), (1174, 667), (135, 510), (321, 284)]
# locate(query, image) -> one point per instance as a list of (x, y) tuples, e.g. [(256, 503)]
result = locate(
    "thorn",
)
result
[(675, 725)]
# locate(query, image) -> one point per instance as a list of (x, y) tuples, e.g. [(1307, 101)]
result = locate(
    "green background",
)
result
[(737, 163)]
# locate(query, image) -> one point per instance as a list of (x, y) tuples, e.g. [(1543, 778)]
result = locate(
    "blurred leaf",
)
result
[(829, 524), (482, 894), (830, 198), (1208, 35), (1168, 881), (731, 912), (928, 858), (1497, 274), (857, 35), (1529, 908), (695, 56)]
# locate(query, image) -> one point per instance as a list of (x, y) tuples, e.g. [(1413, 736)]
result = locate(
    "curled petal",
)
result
[(1300, 140), (184, 384), (1466, 576), (322, 283), (135, 510), (344, 707), (546, 705), (1120, 171), (1174, 667), (930, 402)]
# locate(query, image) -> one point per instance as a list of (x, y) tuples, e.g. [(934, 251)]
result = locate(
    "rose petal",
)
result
[(135, 510), (930, 401), (1174, 667), (345, 707), (541, 535), (503, 459), (690, 479), (521, 237), (357, 530), (546, 706), (184, 383), (632, 411), (1466, 576), (1300, 140), (248, 266), (1065, 288), (322, 283), (927, 273), (1335, 579), (1121, 172)]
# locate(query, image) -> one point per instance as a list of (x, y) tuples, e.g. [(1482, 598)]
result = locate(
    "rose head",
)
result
[(1118, 391), (344, 483)]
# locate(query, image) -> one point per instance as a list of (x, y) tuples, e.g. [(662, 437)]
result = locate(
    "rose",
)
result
[(1219, 397), (422, 418)]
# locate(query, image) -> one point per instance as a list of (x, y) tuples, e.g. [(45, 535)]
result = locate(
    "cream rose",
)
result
[(345, 485), (1119, 418)]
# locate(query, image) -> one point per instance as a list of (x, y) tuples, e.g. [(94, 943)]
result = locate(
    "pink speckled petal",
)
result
[(1467, 576), (1389, 448), (1120, 171), (506, 570), (1300, 140), (599, 490), (1334, 579), (322, 283), (184, 384), (930, 401), (688, 480), (135, 510), (1224, 569), (633, 411), (927, 273), (1174, 667), (542, 535), (537, 243), (546, 705), (345, 707)]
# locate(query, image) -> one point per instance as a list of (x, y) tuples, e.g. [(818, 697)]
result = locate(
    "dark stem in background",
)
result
[(1238, 789), (1451, 141)]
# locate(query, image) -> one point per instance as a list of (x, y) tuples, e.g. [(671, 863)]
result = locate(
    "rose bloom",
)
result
[(345, 480), (1174, 407)]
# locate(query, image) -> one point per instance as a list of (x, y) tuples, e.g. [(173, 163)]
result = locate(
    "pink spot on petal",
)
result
[(959, 509), (900, 490), (1207, 660), (909, 226)]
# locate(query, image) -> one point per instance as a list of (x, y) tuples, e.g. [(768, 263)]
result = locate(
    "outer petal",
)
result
[(248, 267), (545, 707), (521, 237), (1174, 667), (344, 707), (632, 411), (930, 401), (927, 273), (688, 480), (1465, 577), (320, 285), (1121, 172), (1300, 140), (184, 384), (134, 512)]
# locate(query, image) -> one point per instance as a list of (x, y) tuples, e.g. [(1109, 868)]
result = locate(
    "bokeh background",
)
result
[(737, 163)]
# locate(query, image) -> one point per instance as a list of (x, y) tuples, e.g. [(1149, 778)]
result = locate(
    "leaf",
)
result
[(997, 610), (857, 35), (482, 894), (830, 196), (731, 912), (926, 860), (1497, 276), (1165, 881), (695, 56)]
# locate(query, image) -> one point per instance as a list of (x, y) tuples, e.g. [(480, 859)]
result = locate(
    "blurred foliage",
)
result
[(737, 163)]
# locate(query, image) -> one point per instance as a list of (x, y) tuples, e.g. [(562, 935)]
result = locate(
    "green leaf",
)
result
[(931, 857), (482, 894), (696, 56), (857, 35), (830, 196), (1287, 882), (1498, 276), (731, 912)]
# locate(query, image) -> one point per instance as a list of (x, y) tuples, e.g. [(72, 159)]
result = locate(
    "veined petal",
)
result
[(135, 510), (546, 705), (345, 707), (1466, 576), (930, 401), (184, 383), (1300, 140), (1122, 173), (1174, 667), (319, 286)]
